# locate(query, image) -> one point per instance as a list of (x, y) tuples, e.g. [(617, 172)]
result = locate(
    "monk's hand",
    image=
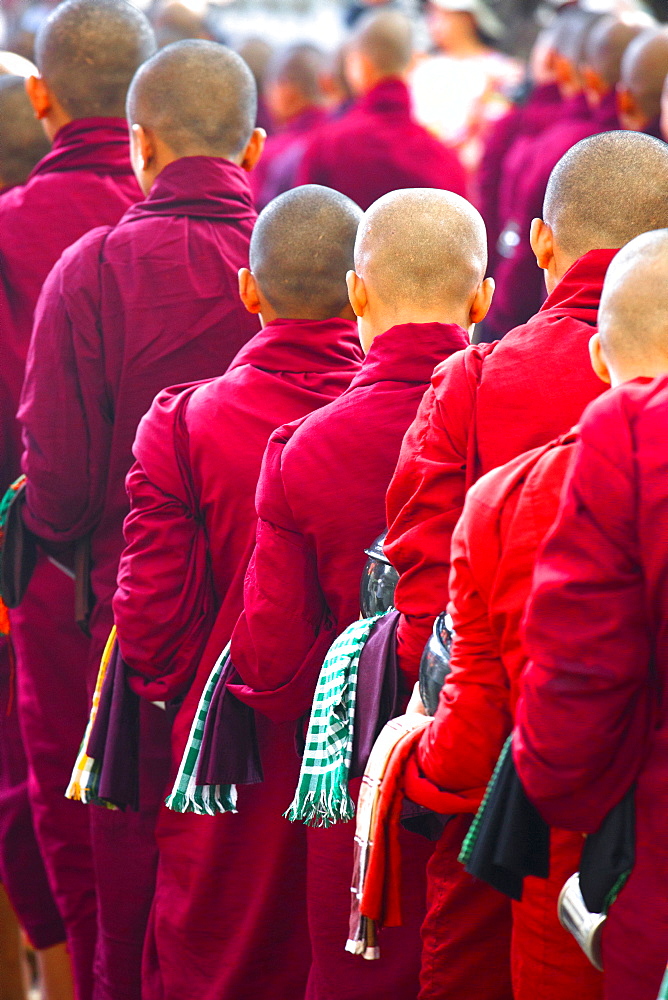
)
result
[(415, 706)]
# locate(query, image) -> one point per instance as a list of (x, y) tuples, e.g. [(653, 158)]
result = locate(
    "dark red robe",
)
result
[(283, 152), (376, 147), (127, 311), (320, 502), (592, 717), (85, 181), (190, 534)]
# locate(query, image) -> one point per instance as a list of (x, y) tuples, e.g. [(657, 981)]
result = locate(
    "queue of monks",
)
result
[(332, 558)]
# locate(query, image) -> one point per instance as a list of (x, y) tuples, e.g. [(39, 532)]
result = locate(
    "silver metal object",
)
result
[(585, 927)]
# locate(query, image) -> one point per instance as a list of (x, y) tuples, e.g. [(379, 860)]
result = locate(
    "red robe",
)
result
[(86, 180), (494, 546), (127, 311), (485, 406), (320, 502), (283, 152), (592, 717), (190, 534), (376, 147)]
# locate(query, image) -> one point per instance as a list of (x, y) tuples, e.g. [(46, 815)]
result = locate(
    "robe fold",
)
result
[(85, 181), (320, 502), (596, 634), (485, 406), (190, 534), (277, 169), (126, 311), (377, 146)]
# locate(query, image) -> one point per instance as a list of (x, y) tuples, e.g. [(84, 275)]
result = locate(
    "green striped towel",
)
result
[(322, 796), (663, 992), (187, 795)]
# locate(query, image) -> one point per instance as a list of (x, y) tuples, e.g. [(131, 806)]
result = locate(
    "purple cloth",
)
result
[(277, 170), (229, 754), (377, 689), (114, 740)]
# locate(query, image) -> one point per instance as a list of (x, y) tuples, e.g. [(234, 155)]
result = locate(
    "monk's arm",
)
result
[(165, 603), (66, 411), (424, 502), (582, 718)]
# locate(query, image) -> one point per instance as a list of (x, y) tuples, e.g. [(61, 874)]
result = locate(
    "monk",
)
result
[(602, 570), (153, 301), (296, 101), (520, 287), (418, 285), (87, 52), (377, 146), (643, 71), (192, 491)]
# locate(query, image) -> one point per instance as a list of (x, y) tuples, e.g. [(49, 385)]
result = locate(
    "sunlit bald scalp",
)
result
[(22, 139), (422, 245), (198, 97), (644, 69), (633, 315), (302, 67), (607, 190), (88, 52), (386, 39), (606, 45), (301, 250)]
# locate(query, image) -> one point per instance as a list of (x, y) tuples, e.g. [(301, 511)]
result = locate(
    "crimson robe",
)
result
[(520, 288), (190, 534), (484, 407), (85, 181), (126, 311), (377, 146), (283, 151), (320, 502), (592, 720)]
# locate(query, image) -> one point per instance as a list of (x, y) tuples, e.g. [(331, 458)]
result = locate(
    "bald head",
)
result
[(571, 31), (198, 97), (607, 190), (386, 40), (633, 315), (300, 67), (257, 54), (88, 51), (644, 69), (421, 245), (22, 139), (607, 42), (301, 250)]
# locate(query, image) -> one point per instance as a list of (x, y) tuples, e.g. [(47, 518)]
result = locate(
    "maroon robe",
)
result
[(85, 181), (190, 535), (592, 718), (320, 502), (127, 311), (377, 147), (283, 152)]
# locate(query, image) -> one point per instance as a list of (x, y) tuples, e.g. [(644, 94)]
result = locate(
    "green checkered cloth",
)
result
[(472, 836), (322, 796), (187, 795), (663, 992)]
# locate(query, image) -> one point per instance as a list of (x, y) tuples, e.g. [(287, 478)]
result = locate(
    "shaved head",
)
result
[(644, 69), (571, 31), (22, 139), (607, 190), (422, 245), (257, 54), (198, 97), (301, 250), (633, 315), (386, 39), (88, 51), (606, 45), (300, 66)]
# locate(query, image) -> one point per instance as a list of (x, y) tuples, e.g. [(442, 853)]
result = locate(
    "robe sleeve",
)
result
[(283, 635), (583, 716), (66, 409), (426, 497), (164, 606)]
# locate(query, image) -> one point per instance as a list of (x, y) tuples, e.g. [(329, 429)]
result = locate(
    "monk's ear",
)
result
[(597, 359), (542, 243), (39, 96), (253, 150), (248, 291), (630, 115), (357, 293), (482, 301), (593, 82)]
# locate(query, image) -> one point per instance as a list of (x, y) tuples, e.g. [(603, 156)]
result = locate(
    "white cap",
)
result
[(486, 19)]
